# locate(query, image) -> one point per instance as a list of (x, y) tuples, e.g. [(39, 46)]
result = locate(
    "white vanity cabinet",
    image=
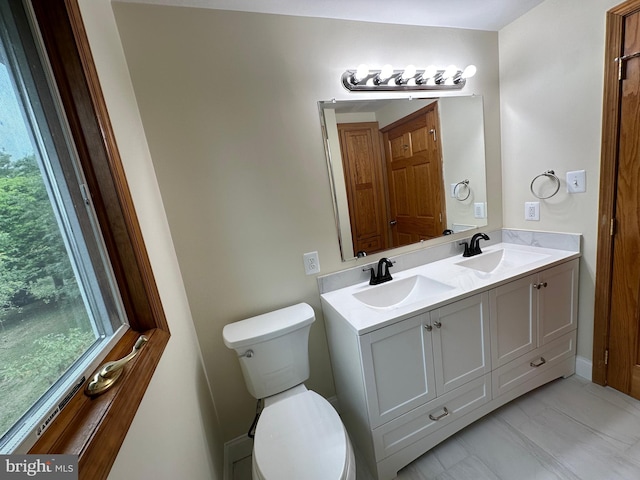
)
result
[(408, 385), (411, 362), (530, 312), (533, 325)]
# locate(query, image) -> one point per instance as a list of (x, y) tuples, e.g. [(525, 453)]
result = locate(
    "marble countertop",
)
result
[(461, 281)]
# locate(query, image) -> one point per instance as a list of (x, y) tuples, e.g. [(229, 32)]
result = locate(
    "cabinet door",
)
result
[(461, 342), (398, 368), (557, 301), (514, 320)]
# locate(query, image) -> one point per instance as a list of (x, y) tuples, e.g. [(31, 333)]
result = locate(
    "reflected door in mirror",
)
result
[(363, 171), (414, 170)]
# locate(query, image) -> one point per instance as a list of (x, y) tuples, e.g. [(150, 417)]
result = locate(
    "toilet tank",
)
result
[(272, 349)]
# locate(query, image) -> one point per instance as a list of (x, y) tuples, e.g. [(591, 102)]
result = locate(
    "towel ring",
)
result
[(549, 174), (456, 193)]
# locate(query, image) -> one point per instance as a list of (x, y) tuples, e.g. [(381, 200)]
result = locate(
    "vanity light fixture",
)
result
[(387, 79)]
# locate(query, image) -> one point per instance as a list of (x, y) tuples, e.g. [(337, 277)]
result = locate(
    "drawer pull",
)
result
[(435, 419), (539, 363)]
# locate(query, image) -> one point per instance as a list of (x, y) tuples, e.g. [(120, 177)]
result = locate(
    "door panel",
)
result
[(414, 170), (557, 301), (461, 342), (514, 314), (399, 372), (362, 163), (623, 372)]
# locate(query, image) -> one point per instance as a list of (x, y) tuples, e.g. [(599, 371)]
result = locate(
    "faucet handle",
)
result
[(467, 252)]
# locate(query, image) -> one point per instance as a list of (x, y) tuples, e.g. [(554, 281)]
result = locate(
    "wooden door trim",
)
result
[(608, 176)]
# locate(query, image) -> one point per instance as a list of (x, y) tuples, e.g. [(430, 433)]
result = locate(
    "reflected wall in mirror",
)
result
[(404, 170)]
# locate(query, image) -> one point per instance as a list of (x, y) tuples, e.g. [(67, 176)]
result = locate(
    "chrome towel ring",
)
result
[(552, 176), (459, 187)]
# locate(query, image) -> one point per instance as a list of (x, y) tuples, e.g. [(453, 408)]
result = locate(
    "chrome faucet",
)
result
[(383, 274)]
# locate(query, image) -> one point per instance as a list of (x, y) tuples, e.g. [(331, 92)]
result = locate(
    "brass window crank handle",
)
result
[(107, 374)]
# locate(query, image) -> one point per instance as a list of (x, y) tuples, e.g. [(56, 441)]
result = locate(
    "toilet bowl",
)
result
[(299, 435), (302, 437)]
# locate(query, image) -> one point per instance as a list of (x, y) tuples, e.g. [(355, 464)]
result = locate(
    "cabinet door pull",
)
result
[(538, 363), (435, 419), (428, 328), (437, 324)]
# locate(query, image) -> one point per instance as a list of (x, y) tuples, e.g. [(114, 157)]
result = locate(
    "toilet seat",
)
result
[(302, 437)]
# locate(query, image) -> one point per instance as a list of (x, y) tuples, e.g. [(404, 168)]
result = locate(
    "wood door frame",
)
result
[(608, 177)]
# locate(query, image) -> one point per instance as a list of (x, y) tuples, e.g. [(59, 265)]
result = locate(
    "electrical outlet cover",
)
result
[(532, 211), (311, 263)]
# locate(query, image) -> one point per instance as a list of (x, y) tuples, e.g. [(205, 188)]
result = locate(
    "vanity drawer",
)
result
[(528, 366), (426, 419)]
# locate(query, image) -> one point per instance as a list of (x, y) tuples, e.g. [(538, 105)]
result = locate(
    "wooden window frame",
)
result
[(608, 174), (94, 428)]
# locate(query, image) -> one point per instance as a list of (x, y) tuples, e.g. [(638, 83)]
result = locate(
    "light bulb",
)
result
[(409, 72), (469, 72), (430, 72), (362, 72), (450, 71), (386, 72)]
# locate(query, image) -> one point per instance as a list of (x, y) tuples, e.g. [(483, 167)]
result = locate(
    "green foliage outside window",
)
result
[(34, 265), (44, 326)]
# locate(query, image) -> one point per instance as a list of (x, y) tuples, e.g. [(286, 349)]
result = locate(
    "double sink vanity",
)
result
[(449, 339)]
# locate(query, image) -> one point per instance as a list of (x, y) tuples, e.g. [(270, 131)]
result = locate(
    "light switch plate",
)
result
[(577, 181), (479, 210)]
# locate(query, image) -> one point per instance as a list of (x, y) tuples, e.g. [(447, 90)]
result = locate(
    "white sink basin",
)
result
[(397, 291), (504, 259)]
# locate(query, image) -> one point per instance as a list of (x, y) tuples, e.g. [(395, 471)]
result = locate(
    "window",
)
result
[(93, 264), (58, 305)]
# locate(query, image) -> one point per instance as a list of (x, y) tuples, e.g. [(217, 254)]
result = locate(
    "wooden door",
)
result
[(363, 172), (414, 176), (617, 309)]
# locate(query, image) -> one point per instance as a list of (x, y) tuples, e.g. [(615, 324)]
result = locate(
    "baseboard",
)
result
[(235, 450), (583, 367)]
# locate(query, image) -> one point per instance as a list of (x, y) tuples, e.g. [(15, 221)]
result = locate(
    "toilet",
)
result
[(299, 435)]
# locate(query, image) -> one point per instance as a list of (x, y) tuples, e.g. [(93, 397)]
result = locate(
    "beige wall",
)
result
[(228, 102), (551, 79), (228, 106), (175, 433)]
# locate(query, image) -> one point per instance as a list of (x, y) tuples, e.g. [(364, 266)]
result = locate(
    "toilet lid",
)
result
[(300, 437)]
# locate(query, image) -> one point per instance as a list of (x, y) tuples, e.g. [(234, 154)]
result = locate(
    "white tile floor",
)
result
[(570, 429)]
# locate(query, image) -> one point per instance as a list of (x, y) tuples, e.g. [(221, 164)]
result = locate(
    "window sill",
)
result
[(94, 428)]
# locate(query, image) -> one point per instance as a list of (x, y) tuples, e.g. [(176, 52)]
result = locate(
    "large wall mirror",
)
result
[(404, 170)]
